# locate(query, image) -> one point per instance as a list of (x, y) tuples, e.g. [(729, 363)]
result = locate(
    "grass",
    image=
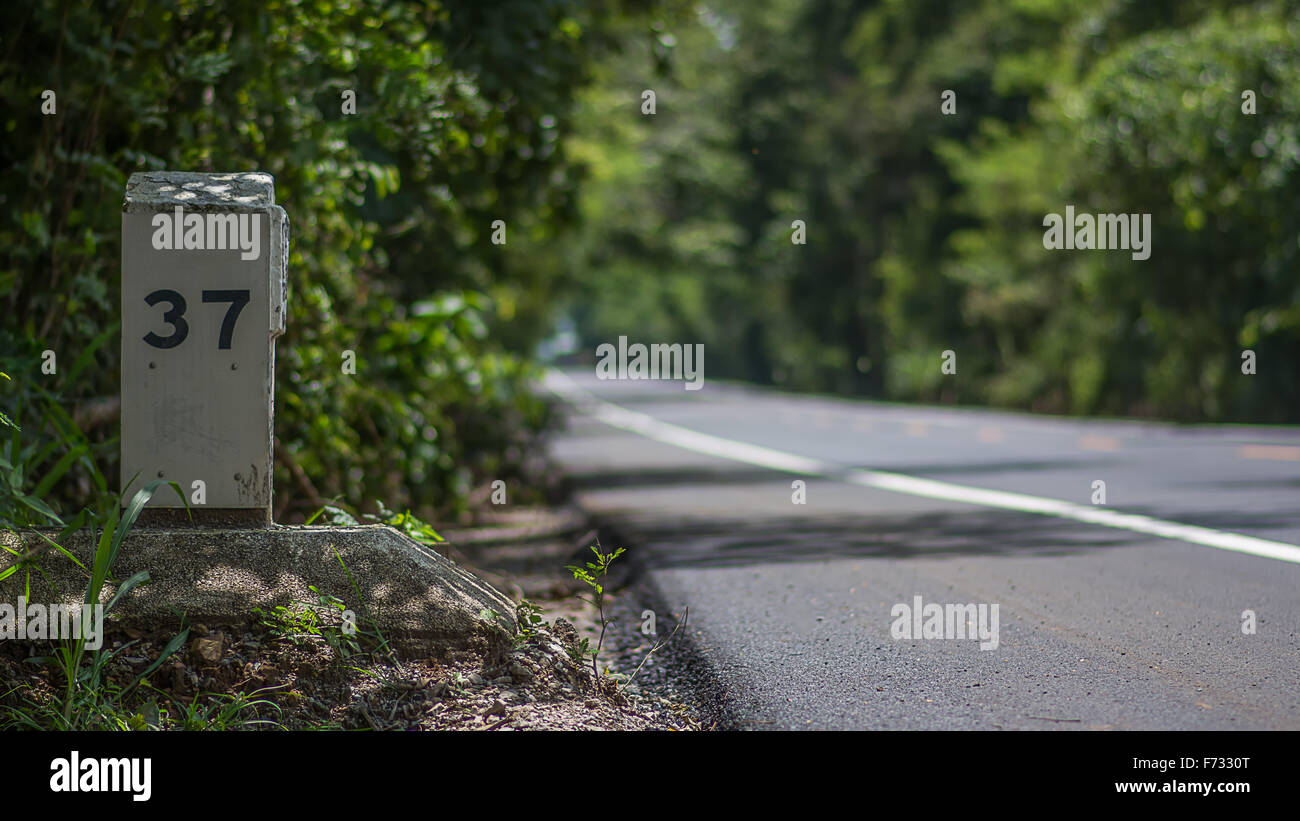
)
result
[(305, 622), (103, 708), (89, 699)]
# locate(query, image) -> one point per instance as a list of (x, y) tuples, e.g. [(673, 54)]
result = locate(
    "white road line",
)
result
[(671, 434)]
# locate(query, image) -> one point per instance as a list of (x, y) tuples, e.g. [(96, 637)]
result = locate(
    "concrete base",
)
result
[(425, 604), (236, 518)]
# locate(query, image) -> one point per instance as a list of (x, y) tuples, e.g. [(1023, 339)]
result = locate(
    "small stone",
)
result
[(565, 631), (520, 672), (206, 649)]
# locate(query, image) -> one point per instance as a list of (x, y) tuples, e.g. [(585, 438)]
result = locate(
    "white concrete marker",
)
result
[(203, 298), (668, 433)]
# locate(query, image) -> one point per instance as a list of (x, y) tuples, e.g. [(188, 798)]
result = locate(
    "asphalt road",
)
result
[(1101, 624)]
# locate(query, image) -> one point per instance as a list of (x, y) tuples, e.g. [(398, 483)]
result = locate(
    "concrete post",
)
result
[(204, 275)]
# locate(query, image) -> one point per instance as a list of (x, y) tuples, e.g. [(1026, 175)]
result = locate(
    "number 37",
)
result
[(175, 316)]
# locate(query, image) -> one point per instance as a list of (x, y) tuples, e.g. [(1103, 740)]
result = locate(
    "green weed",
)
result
[(593, 575)]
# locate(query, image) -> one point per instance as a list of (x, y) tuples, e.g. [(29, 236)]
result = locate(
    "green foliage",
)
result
[(415, 528), (303, 623), (581, 651), (297, 622), (1221, 187), (87, 678), (89, 701), (41, 446), (925, 229), (530, 618), (593, 575), (206, 711), (462, 114), (211, 711), (5, 421)]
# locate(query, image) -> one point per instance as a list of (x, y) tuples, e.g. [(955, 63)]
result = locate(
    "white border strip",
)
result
[(652, 428)]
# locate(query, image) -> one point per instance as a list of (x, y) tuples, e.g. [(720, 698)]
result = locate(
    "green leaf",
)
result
[(61, 467), (172, 646), (88, 353), (63, 549), (39, 506), (126, 587)]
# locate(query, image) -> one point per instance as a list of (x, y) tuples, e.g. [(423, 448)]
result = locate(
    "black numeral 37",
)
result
[(175, 316)]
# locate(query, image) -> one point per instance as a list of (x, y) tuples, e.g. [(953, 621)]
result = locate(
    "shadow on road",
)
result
[(714, 542), (677, 538)]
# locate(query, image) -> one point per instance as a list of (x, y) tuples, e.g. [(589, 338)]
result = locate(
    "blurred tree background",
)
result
[(924, 230)]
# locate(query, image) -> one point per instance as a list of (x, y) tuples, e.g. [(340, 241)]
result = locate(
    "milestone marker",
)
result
[(204, 274)]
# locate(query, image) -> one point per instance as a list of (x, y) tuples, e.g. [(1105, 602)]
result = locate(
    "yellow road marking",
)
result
[(1099, 443), (1284, 452)]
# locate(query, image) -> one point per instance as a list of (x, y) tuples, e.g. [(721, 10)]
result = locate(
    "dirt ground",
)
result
[(297, 670)]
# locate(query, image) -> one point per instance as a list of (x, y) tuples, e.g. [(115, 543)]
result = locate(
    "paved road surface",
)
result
[(1101, 623)]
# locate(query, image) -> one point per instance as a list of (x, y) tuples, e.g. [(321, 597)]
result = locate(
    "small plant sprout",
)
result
[(530, 617), (593, 575)]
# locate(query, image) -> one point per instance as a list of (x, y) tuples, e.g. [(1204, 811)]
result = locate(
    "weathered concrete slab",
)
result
[(147, 191), (425, 604)]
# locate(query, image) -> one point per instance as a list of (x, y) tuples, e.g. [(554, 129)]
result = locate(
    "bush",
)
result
[(460, 110)]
